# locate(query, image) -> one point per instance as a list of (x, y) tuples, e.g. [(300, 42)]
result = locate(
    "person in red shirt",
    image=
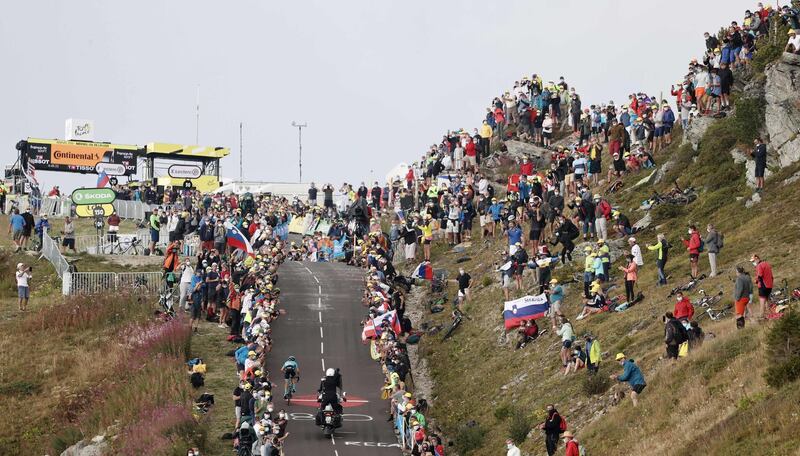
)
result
[(764, 282), (684, 310), (572, 446), (526, 167), (410, 178), (470, 155), (693, 247)]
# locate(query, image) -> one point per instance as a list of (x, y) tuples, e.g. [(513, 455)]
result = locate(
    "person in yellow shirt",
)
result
[(427, 236)]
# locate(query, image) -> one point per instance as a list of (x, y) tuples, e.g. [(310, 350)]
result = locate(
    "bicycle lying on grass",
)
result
[(687, 286), (458, 317), (715, 314)]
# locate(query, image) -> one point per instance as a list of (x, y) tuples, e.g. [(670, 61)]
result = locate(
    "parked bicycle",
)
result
[(707, 300), (715, 314), (131, 247), (687, 286), (458, 317)]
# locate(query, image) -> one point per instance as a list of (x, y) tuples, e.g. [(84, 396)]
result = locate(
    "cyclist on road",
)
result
[(291, 374)]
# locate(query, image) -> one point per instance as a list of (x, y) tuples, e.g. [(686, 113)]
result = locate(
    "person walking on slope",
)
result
[(552, 429), (693, 245), (632, 375), (764, 281), (743, 291)]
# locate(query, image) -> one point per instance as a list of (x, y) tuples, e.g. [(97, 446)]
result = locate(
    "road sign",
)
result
[(91, 196), (103, 210), (187, 184), (113, 181)]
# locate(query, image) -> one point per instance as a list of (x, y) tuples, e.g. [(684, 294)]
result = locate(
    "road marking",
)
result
[(320, 316), (316, 279), (323, 366), (309, 270), (372, 444), (320, 289), (320, 333), (336, 453), (333, 440), (321, 348), (319, 302)]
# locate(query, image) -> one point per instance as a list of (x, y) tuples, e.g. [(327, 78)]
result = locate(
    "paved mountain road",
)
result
[(322, 329)]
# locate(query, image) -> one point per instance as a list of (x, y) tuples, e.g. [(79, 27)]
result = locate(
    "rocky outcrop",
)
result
[(782, 94), (696, 130), (98, 446), (518, 149)]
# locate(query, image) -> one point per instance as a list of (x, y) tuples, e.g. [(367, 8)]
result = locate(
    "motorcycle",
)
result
[(329, 418)]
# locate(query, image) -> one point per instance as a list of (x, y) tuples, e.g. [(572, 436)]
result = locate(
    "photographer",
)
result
[(24, 274)]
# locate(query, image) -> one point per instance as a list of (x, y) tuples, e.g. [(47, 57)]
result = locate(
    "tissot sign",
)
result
[(184, 171)]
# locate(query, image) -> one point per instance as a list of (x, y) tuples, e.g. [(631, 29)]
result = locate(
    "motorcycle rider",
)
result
[(329, 389)]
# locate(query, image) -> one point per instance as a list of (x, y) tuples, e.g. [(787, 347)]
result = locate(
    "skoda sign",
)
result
[(92, 196), (184, 171)]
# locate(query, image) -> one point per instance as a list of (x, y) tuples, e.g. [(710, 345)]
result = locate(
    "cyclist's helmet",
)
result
[(291, 358), (330, 372)]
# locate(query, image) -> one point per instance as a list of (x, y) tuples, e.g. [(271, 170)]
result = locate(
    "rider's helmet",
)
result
[(291, 358), (330, 372), (328, 408)]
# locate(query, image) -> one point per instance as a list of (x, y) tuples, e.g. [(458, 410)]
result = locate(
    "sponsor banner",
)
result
[(81, 157), (184, 171), (102, 210), (93, 196), (112, 169)]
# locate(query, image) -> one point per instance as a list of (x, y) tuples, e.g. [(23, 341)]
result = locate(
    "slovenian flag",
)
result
[(102, 179), (372, 327), (424, 271), (236, 239), (525, 308)]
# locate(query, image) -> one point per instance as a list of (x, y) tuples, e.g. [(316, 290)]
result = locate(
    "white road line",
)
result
[(320, 333), (336, 453), (321, 348), (309, 270), (320, 316), (323, 364), (319, 302), (320, 289), (333, 440), (316, 279)]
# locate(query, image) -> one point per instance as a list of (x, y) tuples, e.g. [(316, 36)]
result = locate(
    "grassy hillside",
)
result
[(85, 366), (716, 401)]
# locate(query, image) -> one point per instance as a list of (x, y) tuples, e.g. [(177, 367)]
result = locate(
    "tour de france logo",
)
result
[(83, 129)]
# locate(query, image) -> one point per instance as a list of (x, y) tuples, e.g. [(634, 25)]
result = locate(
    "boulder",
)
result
[(792, 179), (696, 130), (518, 149), (782, 94), (740, 157), (98, 446), (753, 200)]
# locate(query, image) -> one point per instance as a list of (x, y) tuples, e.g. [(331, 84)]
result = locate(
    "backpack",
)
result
[(702, 246), (720, 240), (197, 380), (562, 425)]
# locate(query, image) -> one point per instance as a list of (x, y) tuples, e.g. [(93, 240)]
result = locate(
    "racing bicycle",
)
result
[(707, 300), (715, 314), (458, 317), (290, 389), (687, 286)]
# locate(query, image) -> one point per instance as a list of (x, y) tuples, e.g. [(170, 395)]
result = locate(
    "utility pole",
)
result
[(300, 127), (241, 173)]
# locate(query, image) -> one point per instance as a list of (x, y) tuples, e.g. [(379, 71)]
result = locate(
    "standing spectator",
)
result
[(15, 226), (3, 193), (759, 154), (464, 283), (742, 294), (556, 296), (593, 353), (23, 287), (155, 231), (693, 247), (69, 236), (631, 374), (567, 336), (186, 280), (602, 213), (661, 247), (552, 429), (764, 282), (684, 310), (793, 45), (312, 195), (512, 449), (28, 228), (572, 448), (630, 271), (713, 242), (42, 226), (636, 251)]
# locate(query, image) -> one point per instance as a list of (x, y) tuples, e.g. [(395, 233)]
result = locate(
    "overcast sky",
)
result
[(377, 81)]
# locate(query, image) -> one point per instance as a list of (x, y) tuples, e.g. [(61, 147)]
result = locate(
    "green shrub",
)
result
[(486, 281), (469, 438), (502, 412), (596, 384), (519, 426), (783, 351), (748, 120), (769, 48)]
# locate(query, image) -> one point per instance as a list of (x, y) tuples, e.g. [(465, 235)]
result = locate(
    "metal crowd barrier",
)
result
[(51, 252), (84, 283)]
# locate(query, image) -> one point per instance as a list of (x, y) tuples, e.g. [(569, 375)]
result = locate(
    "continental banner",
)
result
[(80, 156)]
